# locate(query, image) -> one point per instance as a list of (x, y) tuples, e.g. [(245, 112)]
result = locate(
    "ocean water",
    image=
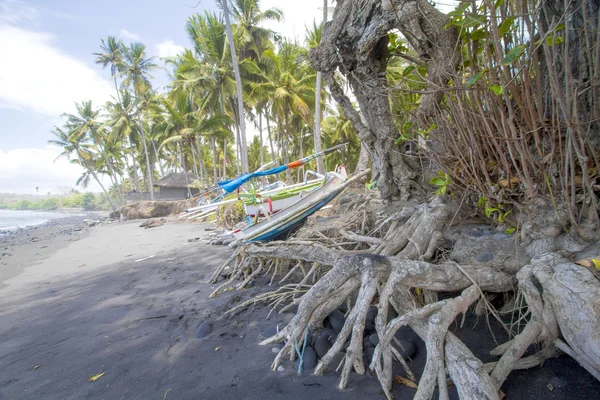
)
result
[(11, 219)]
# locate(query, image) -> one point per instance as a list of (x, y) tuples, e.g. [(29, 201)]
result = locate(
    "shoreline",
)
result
[(23, 247), (132, 303)]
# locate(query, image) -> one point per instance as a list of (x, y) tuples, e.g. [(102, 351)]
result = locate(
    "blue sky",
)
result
[(46, 64)]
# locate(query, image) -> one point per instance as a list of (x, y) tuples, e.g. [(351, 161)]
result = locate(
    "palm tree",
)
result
[(111, 55), (120, 121), (290, 82), (85, 125), (136, 70), (238, 82), (313, 38), (251, 38), (71, 142)]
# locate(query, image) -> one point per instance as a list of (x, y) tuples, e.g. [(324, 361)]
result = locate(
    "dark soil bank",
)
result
[(149, 327)]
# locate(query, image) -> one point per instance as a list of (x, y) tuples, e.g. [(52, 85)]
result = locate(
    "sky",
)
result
[(46, 65)]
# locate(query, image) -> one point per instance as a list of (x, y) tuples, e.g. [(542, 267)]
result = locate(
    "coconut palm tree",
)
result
[(71, 142), (112, 56), (238, 84), (120, 120), (313, 38), (136, 71), (250, 37), (290, 82)]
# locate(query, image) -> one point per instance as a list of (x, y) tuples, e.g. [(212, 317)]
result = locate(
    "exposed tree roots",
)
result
[(562, 302)]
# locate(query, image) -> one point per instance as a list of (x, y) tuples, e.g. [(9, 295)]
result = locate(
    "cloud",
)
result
[(125, 34), (14, 11), (169, 49), (25, 169), (35, 75)]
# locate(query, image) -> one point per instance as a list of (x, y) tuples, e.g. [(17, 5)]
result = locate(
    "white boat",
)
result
[(282, 222)]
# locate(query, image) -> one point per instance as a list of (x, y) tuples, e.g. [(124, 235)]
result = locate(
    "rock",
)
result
[(280, 369), (475, 233), (322, 346), (406, 333), (275, 349), (540, 246), (337, 320), (408, 349), (227, 242), (485, 257), (392, 313), (372, 313), (203, 330), (309, 359), (501, 236), (368, 353), (154, 209), (374, 339), (487, 232), (218, 242)]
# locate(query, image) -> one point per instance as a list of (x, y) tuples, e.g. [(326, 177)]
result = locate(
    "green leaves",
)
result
[(475, 78), (505, 26), (551, 40), (442, 182), (513, 55), (497, 89)]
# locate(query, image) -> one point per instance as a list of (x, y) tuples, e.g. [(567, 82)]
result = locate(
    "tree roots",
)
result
[(562, 303)]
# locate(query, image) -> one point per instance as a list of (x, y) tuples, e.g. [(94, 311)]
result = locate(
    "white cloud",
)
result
[(25, 169), (125, 34), (168, 49), (14, 11), (35, 75), (297, 15)]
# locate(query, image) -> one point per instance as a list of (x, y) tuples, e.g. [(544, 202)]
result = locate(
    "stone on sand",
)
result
[(309, 359), (337, 320), (203, 330)]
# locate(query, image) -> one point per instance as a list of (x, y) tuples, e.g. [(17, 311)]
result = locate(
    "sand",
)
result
[(86, 305)]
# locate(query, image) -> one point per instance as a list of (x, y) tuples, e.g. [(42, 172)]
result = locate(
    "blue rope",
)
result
[(300, 354)]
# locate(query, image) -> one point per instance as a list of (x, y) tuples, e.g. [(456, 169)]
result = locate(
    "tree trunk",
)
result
[(215, 160), (148, 165), (185, 171), (363, 159), (203, 173), (136, 178), (355, 41), (114, 208), (317, 125), (162, 171), (273, 155), (260, 137), (224, 158), (238, 84)]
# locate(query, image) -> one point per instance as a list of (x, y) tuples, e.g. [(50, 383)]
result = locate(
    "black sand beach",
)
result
[(97, 305)]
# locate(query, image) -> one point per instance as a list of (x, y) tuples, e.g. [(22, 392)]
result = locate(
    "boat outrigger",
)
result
[(281, 223), (266, 201)]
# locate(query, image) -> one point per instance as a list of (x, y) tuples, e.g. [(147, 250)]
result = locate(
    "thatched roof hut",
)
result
[(173, 180)]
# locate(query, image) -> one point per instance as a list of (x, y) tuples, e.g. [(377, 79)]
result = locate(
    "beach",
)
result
[(129, 307)]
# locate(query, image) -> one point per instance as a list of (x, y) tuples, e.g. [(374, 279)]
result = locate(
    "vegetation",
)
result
[(87, 201), (198, 125), (502, 97)]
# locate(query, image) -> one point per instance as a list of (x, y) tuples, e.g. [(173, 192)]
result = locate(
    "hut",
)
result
[(175, 186)]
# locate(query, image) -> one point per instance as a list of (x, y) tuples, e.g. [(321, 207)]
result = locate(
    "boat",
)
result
[(268, 203), (263, 202), (281, 223)]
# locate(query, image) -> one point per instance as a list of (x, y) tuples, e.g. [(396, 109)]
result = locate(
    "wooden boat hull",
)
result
[(283, 221)]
